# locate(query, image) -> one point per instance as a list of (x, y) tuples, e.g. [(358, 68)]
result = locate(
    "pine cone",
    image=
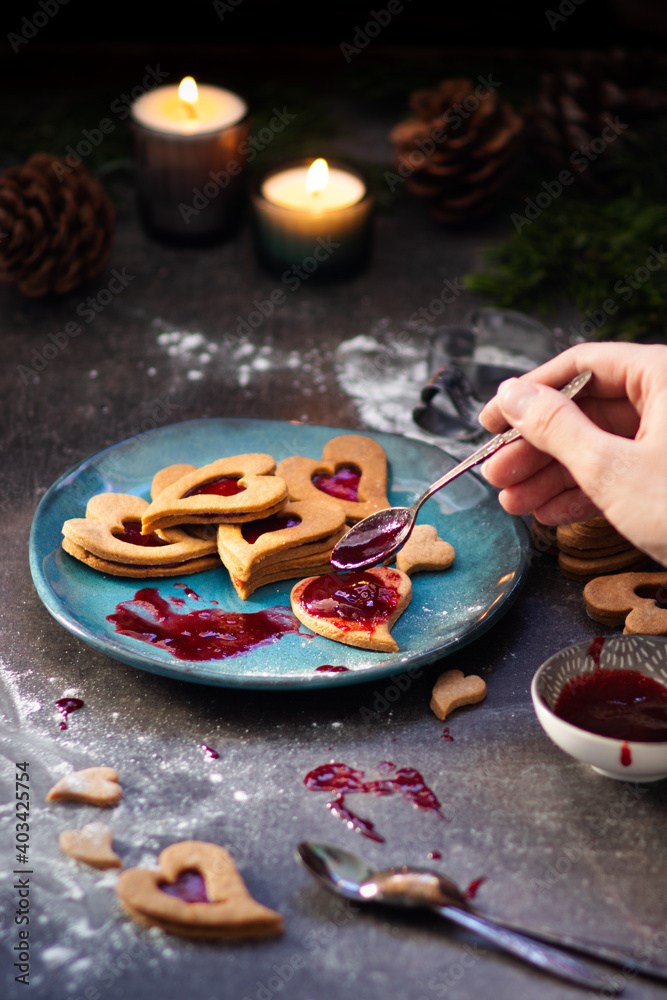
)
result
[(569, 124), (461, 151), (54, 233)]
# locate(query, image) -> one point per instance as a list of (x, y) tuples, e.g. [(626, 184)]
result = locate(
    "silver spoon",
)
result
[(350, 876), (381, 534)]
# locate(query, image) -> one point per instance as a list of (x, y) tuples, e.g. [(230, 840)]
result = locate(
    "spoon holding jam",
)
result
[(383, 533)]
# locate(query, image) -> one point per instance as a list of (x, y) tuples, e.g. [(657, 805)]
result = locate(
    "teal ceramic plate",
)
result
[(448, 609)]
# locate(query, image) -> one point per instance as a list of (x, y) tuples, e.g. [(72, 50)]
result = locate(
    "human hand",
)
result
[(605, 454)]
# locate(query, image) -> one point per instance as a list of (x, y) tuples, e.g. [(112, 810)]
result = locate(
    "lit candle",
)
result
[(315, 216), (190, 144)]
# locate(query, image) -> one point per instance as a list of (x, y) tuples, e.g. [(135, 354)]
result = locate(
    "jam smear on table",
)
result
[(343, 780), (472, 889), (252, 530), (355, 601), (67, 705), (343, 484), (357, 824), (209, 752), (446, 735), (202, 634), (434, 855), (189, 886), (224, 486), (623, 704), (326, 668), (132, 533), (595, 649)]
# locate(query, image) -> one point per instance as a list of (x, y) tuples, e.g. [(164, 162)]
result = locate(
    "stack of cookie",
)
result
[(587, 549), (295, 542)]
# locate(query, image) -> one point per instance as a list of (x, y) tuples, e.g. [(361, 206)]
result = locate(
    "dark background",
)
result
[(87, 41)]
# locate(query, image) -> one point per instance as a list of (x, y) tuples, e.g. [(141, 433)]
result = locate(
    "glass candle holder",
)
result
[(190, 165), (324, 234)]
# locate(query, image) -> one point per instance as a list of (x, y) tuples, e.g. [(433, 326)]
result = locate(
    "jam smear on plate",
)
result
[(201, 634)]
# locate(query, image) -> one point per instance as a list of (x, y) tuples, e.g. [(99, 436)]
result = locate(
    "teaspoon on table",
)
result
[(349, 875), (381, 534)]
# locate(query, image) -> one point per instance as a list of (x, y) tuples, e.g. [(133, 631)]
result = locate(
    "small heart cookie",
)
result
[(235, 489), (424, 551), (92, 845), (357, 608), (638, 599), (95, 785), (110, 539), (453, 690), (198, 892), (352, 474)]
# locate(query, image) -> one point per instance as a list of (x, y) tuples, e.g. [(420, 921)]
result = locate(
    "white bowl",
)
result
[(646, 654)]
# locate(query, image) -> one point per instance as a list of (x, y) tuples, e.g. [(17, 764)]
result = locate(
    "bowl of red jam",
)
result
[(604, 702)]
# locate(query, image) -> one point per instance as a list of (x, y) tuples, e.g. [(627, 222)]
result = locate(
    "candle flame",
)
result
[(317, 177), (189, 95)]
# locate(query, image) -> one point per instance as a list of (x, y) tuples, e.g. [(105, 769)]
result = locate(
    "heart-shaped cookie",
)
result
[(165, 477), (235, 489), (301, 528), (357, 608), (453, 690), (638, 599), (95, 785), (197, 892), (110, 539), (352, 474), (424, 551), (92, 845)]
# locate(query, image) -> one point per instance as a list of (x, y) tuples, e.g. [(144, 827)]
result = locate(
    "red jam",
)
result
[(472, 889), (595, 649), (209, 752), (189, 886), (343, 780), (132, 533), (67, 705), (623, 704), (252, 530), (204, 634), (357, 600), (224, 486), (343, 484), (327, 669), (626, 755)]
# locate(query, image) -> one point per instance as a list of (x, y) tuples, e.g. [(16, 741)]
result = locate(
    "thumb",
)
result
[(554, 424)]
